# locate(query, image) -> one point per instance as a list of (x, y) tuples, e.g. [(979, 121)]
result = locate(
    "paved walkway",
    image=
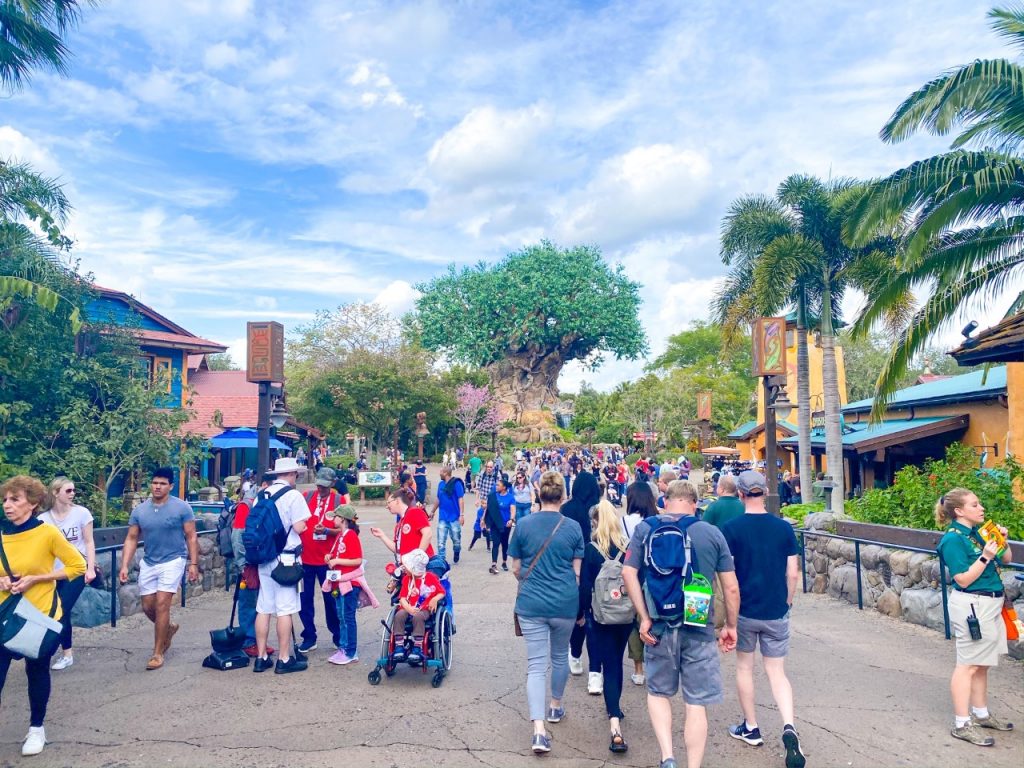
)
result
[(870, 692)]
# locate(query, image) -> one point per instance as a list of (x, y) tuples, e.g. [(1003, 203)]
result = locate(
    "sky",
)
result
[(234, 160)]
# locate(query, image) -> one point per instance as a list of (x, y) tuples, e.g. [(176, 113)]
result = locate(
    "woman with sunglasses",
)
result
[(523, 492), (75, 522), (412, 531)]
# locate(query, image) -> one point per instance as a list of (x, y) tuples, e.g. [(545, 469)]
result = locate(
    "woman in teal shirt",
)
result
[(977, 593)]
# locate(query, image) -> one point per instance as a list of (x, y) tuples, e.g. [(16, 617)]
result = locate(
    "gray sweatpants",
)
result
[(547, 640)]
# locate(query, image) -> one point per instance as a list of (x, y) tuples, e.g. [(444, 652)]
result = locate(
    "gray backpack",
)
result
[(610, 603)]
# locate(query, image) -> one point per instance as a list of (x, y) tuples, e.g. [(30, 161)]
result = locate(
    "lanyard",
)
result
[(978, 543)]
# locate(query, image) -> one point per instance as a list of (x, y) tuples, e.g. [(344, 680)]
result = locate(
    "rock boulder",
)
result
[(92, 608), (922, 606)]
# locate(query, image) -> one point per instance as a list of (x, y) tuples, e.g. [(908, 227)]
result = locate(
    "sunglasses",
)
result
[(69, 490)]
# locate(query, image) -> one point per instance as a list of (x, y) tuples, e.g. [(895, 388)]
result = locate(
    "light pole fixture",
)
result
[(769, 355), (279, 414)]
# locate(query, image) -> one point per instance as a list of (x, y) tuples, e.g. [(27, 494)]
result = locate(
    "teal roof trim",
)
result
[(864, 433), (956, 389), (741, 432)]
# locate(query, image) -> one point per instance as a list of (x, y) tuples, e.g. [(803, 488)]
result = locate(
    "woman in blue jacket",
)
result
[(498, 521)]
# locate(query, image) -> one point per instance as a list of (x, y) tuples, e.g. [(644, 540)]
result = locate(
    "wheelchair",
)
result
[(437, 650)]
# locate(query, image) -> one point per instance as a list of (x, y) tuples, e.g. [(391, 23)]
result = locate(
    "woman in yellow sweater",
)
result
[(31, 548)]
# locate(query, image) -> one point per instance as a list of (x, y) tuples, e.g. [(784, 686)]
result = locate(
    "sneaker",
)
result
[(351, 659), (541, 743), (34, 741), (399, 655), (638, 679), (668, 762), (555, 714), (338, 657), (63, 662), (253, 651), (973, 734), (306, 646), (751, 736), (504, 566), (494, 569), (595, 684), (982, 722), (456, 558), (575, 665), (262, 665), (292, 665), (794, 756), (415, 655)]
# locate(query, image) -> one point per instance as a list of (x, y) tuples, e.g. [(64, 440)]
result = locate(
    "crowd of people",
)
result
[(591, 542)]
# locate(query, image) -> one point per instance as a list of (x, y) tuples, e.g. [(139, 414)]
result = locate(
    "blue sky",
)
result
[(234, 160)]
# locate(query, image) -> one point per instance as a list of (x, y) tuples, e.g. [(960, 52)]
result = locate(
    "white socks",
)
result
[(980, 712), (962, 721)]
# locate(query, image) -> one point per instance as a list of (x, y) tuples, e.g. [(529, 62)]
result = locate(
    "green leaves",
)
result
[(31, 37)]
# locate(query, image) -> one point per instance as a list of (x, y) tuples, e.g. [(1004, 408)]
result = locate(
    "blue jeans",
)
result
[(346, 607), (547, 644), (446, 529), (522, 509), (247, 614), (312, 577)]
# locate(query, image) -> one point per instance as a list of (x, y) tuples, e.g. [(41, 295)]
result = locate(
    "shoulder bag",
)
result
[(24, 629), (540, 553)]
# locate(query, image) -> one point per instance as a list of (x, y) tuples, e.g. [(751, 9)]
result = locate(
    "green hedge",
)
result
[(799, 512)]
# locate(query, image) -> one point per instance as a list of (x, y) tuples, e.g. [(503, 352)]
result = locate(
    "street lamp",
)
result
[(777, 408), (271, 413), (279, 414)]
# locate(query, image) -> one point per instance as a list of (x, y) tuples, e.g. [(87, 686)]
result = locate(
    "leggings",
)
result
[(69, 592), (607, 645), (545, 642), (38, 672), (579, 634), (477, 535), (499, 538)]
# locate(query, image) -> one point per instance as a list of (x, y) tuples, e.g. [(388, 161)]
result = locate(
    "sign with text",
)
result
[(703, 406), (645, 435), (769, 339), (265, 358)]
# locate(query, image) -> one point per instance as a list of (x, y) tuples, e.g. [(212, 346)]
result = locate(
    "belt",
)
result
[(984, 594)]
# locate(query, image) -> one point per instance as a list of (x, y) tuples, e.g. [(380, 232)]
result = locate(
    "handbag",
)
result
[(26, 631), (515, 616), (288, 575)]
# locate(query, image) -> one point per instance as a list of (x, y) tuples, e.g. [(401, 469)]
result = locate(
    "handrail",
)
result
[(115, 548), (857, 541)]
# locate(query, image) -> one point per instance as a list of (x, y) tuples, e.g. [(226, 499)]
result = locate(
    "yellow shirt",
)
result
[(32, 552)]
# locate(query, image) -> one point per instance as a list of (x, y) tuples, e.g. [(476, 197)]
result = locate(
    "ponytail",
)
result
[(945, 507)]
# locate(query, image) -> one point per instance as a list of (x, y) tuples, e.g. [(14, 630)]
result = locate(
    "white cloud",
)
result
[(14, 145), (398, 297), (221, 55)]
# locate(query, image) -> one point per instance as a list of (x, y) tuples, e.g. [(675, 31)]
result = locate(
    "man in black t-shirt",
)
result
[(765, 554)]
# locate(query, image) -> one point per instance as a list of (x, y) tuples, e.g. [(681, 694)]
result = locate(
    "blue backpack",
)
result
[(669, 563), (264, 537)]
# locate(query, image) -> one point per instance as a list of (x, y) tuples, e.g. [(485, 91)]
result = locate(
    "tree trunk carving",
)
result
[(525, 382)]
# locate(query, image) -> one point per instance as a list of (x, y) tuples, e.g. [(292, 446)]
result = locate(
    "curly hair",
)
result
[(32, 489)]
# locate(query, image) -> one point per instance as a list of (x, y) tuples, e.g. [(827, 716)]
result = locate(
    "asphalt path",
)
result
[(870, 691)]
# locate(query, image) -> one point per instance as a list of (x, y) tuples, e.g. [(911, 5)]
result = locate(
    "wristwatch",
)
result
[(983, 559)]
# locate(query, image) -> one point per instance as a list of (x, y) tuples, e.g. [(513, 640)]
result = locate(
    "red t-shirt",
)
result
[(241, 513), (426, 587), (408, 531), (643, 466), (314, 550), (347, 545)]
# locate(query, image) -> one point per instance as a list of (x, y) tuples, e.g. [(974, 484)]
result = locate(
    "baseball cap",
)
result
[(751, 483), (325, 477)]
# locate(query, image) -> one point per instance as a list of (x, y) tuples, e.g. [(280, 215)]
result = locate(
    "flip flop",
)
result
[(618, 744), (172, 630), (155, 662)]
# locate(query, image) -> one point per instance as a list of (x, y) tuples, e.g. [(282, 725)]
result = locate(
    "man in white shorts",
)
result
[(168, 528), (278, 599)]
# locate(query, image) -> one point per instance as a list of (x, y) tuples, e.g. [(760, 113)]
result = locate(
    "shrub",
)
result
[(339, 460), (910, 501), (799, 512)]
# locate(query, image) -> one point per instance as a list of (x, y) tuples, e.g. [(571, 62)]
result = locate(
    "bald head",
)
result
[(727, 486)]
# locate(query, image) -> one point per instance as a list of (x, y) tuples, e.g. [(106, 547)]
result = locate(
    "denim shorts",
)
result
[(772, 634), (682, 656)]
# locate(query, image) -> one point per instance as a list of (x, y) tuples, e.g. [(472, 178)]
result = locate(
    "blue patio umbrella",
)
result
[(243, 438)]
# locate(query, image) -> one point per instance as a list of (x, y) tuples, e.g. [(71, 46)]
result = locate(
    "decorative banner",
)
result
[(265, 360), (645, 435), (769, 338), (703, 406)]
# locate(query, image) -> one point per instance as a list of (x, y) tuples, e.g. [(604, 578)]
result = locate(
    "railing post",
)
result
[(803, 557), (114, 582), (184, 585), (860, 587), (945, 597)]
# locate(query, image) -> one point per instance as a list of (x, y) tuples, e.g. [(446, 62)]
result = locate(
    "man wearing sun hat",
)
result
[(274, 598)]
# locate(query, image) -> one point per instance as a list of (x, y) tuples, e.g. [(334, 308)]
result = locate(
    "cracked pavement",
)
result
[(870, 691)]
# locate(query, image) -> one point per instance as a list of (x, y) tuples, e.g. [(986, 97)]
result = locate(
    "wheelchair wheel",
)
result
[(374, 677), (444, 650), (385, 640)]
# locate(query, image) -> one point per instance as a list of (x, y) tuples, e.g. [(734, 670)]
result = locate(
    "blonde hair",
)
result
[(552, 488), (682, 489), (606, 528), (945, 508), (668, 476)]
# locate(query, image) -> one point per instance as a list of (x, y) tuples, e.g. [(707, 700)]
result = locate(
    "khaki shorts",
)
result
[(984, 652)]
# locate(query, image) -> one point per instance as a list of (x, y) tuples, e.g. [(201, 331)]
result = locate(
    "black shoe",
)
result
[(306, 646), (504, 566), (262, 665), (456, 555), (292, 665), (794, 757)]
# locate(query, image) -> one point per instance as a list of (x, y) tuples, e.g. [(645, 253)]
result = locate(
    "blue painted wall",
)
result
[(172, 400), (109, 310)]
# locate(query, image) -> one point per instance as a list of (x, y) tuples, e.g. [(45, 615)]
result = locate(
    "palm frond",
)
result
[(749, 225), (1008, 23)]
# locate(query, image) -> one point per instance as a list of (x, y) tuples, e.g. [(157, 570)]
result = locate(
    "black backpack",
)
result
[(225, 522)]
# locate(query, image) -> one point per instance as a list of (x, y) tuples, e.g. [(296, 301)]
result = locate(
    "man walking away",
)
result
[(764, 549), (727, 507), (450, 494), (168, 528), (675, 652)]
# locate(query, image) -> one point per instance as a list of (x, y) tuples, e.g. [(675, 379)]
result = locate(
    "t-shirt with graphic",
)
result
[(314, 549), (420, 590), (347, 546), (72, 526), (408, 531)]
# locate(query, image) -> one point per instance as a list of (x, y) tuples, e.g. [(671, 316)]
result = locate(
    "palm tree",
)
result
[(960, 211), (31, 37)]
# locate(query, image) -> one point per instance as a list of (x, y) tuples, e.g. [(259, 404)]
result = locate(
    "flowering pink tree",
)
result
[(475, 410)]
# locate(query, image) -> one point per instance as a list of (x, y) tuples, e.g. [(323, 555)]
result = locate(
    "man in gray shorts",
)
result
[(683, 653), (765, 552)]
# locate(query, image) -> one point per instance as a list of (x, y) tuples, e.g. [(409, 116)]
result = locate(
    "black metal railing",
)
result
[(857, 542), (114, 552)]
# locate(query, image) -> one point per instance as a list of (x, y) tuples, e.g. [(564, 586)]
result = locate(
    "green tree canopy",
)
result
[(704, 345)]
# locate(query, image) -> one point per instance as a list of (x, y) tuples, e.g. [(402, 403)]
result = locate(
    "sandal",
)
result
[(155, 662), (494, 569), (618, 744)]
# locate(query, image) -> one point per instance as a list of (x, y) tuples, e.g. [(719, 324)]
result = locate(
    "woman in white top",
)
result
[(75, 522)]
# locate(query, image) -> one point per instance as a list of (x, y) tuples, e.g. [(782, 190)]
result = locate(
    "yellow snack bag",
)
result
[(990, 532)]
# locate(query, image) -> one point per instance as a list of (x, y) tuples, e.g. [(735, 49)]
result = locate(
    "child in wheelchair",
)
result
[(418, 598)]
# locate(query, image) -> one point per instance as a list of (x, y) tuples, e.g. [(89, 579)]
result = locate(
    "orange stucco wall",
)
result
[(1015, 412)]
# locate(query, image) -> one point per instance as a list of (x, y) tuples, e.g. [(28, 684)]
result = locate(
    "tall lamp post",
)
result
[(769, 356), (265, 366)]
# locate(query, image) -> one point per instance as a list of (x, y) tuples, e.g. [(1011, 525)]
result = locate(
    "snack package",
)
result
[(990, 532)]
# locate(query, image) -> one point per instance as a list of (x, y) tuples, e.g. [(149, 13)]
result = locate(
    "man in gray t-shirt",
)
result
[(684, 654), (167, 527)]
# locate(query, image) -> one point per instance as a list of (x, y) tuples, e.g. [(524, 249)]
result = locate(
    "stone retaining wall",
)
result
[(898, 583)]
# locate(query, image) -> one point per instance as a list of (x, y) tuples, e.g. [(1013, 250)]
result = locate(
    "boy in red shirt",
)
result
[(419, 597)]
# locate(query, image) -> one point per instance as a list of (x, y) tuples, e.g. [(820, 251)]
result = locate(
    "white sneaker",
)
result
[(34, 741), (638, 679), (595, 684), (575, 665), (63, 662)]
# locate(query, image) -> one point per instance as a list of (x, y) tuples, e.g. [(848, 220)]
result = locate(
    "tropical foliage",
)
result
[(32, 37)]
